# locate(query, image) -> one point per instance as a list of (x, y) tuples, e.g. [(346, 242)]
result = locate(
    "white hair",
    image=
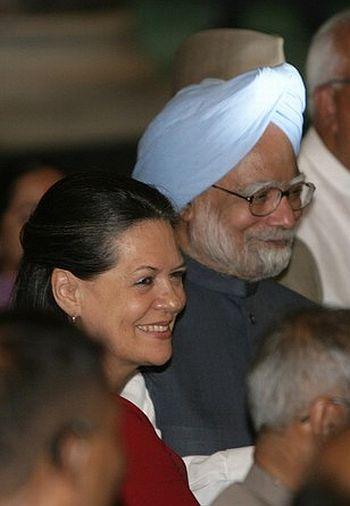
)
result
[(306, 357), (323, 59), (253, 260)]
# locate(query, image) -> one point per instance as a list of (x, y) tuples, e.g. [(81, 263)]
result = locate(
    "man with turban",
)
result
[(224, 152)]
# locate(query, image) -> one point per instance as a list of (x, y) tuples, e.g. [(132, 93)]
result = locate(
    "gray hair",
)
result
[(307, 356), (324, 60)]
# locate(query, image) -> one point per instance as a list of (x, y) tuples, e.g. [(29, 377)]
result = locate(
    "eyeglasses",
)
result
[(265, 201)]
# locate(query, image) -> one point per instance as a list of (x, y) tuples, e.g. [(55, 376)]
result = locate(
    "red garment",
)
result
[(155, 475)]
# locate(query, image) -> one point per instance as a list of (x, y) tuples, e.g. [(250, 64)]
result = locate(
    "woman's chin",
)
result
[(161, 358)]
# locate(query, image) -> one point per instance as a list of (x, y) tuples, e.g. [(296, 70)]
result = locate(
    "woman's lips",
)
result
[(159, 330)]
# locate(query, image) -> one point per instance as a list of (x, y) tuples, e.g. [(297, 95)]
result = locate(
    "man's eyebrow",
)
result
[(262, 185)]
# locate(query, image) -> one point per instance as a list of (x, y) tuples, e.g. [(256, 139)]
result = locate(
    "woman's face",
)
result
[(133, 306)]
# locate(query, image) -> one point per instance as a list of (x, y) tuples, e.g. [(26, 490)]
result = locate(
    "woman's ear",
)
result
[(66, 291)]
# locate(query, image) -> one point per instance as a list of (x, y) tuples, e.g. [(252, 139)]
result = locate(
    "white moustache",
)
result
[(272, 235)]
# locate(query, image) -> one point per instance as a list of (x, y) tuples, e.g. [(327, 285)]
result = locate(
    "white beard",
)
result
[(210, 238)]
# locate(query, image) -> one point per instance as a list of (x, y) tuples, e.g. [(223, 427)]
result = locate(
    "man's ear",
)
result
[(72, 455), (327, 418), (325, 109), (66, 291), (187, 213)]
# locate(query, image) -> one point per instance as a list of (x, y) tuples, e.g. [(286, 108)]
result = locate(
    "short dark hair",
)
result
[(75, 227), (10, 176), (51, 380)]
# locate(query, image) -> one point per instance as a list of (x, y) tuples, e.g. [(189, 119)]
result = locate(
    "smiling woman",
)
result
[(132, 306), (100, 250)]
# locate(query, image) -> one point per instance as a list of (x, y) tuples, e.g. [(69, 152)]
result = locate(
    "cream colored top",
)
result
[(326, 224)]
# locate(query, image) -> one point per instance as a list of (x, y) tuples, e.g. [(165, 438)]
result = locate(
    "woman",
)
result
[(21, 188), (100, 250)]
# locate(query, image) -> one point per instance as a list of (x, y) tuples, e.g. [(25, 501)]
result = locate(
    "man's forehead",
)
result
[(271, 159), (260, 185), (253, 177)]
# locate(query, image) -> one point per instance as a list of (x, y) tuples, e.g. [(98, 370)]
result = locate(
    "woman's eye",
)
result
[(145, 281), (179, 275)]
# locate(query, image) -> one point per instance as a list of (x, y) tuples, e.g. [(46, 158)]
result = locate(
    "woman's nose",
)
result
[(171, 299)]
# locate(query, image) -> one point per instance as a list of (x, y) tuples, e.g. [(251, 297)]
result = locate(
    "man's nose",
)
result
[(284, 216)]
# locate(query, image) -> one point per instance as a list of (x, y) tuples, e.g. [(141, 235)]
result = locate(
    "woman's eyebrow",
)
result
[(181, 267), (155, 269), (148, 267)]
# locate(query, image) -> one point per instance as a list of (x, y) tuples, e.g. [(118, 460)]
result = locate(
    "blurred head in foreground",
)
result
[(58, 442), (299, 390)]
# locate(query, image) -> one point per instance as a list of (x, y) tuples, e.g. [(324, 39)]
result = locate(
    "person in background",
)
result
[(58, 439), (20, 191), (224, 152), (325, 157), (100, 251), (299, 397)]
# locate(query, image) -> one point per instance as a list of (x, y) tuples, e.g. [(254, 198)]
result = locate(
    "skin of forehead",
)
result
[(264, 185), (259, 166), (341, 39)]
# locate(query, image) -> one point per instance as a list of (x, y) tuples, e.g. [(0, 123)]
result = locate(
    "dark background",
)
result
[(160, 27)]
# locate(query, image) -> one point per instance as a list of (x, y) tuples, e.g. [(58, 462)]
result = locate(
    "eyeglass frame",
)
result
[(283, 193)]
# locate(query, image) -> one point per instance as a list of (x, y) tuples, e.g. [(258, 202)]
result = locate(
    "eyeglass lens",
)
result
[(266, 201)]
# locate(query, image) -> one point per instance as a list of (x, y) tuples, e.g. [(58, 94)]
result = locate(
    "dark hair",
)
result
[(51, 379), (10, 176), (75, 227)]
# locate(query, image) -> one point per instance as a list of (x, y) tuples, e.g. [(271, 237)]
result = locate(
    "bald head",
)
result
[(328, 77), (328, 57)]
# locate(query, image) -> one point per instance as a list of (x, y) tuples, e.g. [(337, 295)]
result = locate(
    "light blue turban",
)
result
[(207, 128)]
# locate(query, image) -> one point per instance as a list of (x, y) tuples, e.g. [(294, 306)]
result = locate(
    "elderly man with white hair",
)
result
[(299, 393), (325, 157), (224, 152)]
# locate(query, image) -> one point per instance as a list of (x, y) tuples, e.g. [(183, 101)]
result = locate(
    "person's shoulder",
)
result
[(239, 495), (134, 424), (138, 432), (283, 295), (131, 413)]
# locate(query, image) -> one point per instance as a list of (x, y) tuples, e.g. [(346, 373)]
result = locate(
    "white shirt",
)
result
[(208, 474), (325, 227)]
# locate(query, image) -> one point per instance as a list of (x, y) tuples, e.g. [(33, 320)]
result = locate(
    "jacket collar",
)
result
[(201, 275)]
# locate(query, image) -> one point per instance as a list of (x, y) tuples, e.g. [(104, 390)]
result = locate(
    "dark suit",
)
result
[(200, 398)]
